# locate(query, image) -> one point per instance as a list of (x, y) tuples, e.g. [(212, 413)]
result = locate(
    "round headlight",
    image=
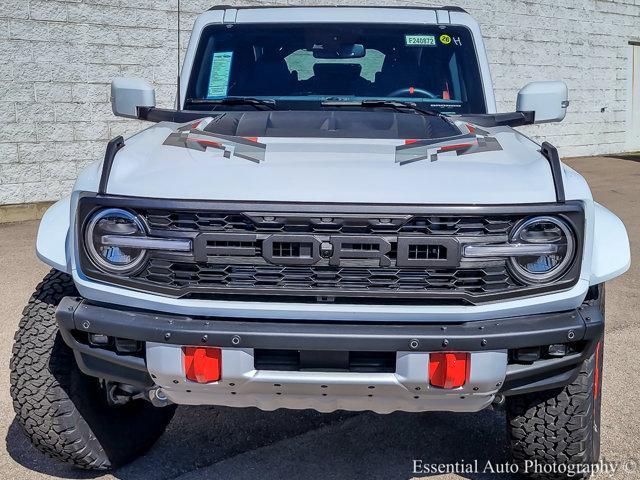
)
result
[(101, 235), (555, 243)]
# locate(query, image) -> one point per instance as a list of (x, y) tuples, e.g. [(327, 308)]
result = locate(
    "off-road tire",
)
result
[(561, 426), (63, 412)]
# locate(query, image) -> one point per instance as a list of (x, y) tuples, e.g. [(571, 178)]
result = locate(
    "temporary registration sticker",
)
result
[(220, 71), (420, 40)]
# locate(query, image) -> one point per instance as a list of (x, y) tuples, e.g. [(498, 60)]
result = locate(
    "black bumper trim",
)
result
[(585, 324), (542, 375), (101, 363), (558, 372), (508, 333)]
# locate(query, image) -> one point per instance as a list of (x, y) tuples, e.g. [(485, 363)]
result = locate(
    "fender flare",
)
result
[(53, 236), (611, 251)]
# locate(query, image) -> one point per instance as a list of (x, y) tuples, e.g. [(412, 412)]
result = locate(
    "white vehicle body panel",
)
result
[(126, 165), (52, 242), (331, 170), (144, 149), (483, 166), (160, 177), (566, 300), (612, 255)]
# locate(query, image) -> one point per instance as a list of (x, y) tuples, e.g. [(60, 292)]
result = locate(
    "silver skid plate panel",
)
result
[(405, 390)]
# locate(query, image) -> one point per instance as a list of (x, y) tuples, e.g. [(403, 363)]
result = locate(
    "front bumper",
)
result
[(490, 343)]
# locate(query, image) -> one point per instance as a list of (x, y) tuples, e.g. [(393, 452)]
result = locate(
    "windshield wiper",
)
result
[(254, 102), (397, 105)]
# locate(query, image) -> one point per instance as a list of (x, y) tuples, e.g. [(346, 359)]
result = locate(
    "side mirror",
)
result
[(549, 101), (129, 94)]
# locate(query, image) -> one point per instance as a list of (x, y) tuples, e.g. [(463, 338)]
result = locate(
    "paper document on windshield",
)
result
[(220, 73)]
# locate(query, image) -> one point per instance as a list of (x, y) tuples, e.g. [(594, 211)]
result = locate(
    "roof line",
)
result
[(257, 7)]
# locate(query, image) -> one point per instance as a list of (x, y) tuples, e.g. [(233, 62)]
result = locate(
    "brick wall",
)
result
[(58, 57)]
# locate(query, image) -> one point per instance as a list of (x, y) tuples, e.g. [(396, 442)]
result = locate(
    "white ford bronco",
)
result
[(334, 216)]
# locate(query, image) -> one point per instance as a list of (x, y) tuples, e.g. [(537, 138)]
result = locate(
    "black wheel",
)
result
[(65, 413), (559, 427)]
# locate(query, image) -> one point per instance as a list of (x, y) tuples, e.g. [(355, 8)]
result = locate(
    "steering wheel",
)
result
[(409, 91)]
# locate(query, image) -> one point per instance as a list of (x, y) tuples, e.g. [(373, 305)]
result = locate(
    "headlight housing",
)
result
[(544, 231), (110, 257)]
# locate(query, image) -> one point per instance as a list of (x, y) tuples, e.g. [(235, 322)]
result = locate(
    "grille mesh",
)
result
[(238, 222), (184, 275), (248, 272)]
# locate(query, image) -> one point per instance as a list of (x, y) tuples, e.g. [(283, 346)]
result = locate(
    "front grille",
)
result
[(351, 254), (352, 224), (236, 265), (181, 275)]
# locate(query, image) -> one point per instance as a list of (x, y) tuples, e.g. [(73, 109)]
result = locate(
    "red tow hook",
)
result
[(449, 370), (202, 364)]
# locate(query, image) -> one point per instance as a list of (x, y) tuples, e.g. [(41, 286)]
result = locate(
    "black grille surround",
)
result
[(233, 266)]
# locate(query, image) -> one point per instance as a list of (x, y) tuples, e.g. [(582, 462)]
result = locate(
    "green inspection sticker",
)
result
[(220, 73), (420, 40)]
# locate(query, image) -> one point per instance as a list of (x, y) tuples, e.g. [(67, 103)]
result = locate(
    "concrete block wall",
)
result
[(57, 58)]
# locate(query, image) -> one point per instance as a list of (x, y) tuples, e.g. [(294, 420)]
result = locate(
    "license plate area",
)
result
[(324, 361)]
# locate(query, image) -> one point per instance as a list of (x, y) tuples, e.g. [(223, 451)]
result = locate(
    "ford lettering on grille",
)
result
[(336, 250)]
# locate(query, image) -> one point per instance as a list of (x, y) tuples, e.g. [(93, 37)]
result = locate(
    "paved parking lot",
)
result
[(226, 443)]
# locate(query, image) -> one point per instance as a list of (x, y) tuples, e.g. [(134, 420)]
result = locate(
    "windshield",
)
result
[(433, 66)]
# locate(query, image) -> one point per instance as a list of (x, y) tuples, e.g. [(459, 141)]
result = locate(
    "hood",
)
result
[(478, 166)]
